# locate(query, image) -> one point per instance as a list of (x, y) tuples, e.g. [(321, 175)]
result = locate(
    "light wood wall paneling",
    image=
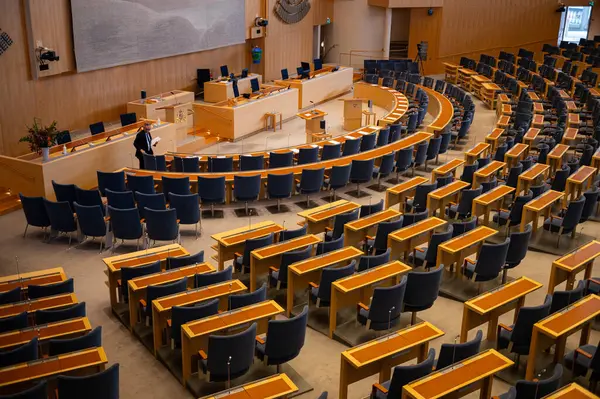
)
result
[(426, 28)]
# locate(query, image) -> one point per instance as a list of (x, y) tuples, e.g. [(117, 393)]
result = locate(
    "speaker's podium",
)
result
[(352, 113), (315, 125), (178, 114)]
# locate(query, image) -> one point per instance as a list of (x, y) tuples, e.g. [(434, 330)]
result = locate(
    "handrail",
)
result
[(493, 48), (352, 52)]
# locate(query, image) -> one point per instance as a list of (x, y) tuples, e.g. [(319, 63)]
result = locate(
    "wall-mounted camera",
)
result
[(259, 21), (430, 11), (45, 55)]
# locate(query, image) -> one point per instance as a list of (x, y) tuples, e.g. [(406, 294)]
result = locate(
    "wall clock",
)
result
[(292, 11)]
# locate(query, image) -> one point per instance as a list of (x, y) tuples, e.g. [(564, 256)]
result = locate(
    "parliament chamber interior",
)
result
[(256, 199)]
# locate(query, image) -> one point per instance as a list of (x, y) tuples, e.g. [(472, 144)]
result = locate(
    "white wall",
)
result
[(356, 26)]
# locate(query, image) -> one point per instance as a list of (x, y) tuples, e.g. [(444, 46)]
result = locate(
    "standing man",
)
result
[(143, 143)]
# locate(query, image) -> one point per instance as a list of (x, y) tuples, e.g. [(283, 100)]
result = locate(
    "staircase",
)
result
[(9, 202), (398, 49)]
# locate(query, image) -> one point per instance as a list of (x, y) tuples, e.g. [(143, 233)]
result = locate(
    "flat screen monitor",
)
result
[(224, 71), (244, 73), (318, 64), (254, 85), (284, 74), (299, 71), (305, 66), (236, 90)]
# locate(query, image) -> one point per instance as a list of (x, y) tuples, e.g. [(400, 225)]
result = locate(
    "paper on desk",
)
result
[(314, 145), (295, 150), (349, 138), (334, 142), (155, 141)]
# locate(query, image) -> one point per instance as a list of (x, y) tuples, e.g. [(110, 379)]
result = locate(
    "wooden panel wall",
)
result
[(428, 29), (471, 27)]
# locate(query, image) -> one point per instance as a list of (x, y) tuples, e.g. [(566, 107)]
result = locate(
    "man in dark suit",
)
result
[(143, 143)]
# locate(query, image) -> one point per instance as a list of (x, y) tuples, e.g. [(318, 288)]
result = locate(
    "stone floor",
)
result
[(142, 376)]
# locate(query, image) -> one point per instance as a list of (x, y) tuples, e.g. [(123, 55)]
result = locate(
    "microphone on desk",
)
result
[(454, 350), (390, 316), (313, 103)]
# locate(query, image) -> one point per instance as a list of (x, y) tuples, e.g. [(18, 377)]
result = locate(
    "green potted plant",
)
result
[(40, 138)]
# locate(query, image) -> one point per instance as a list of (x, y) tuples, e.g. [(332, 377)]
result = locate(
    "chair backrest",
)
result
[(16, 322), (246, 188), (102, 385), (292, 257), (370, 261), (491, 259), (500, 152), (435, 241), (161, 225), (149, 161), (395, 132), (252, 162), (462, 226), (517, 208), (93, 339), (114, 181), (591, 198), (308, 155), (186, 207), (331, 151), (402, 375), (289, 234), (88, 197), (539, 389), (489, 185), (422, 289), (421, 192), (327, 246), (184, 314), (285, 338), (230, 356), (60, 215), (35, 211), (526, 318), (311, 180), (519, 241), (573, 215), (120, 199), (340, 220), (453, 353), (351, 147), (211, 189), (387, 164), (40, 291), (468, 171), (383, 230), (367, 142), (466, 200), (181, 261), (280, 159), (255, 243), (421, 154), (176, 185), (64, 192), (22, 354), (434, 147), (446, 138), (331, 274), (125, 223), (190, 164), (156, 291), (54, 315), (513, 175), (340, 176), (128, 273), (412, 218), (10, 296), (386, 305), (202, 280), (366, 210), (383, 137), (250, 298), (220, 164), (444, 180), (562, 299), (560, 179), (142, 184)]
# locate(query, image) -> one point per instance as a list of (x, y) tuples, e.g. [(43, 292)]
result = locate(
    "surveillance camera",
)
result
[(49, 55), (259, 21), (430, 11)]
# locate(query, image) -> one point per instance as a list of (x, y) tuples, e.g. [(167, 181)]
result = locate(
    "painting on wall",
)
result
[(109, 33)]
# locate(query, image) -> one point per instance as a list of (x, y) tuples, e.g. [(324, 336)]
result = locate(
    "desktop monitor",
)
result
[(284, 74), (244, 73), (224, 71), (236, 90), (299, 71), (305, 66), (254, 85), (318, 64)]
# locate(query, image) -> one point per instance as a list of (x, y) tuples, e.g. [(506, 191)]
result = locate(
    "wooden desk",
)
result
[(493, 199), (555, 157), (31, 305), (261, 259), (394, 102), (514, 155), (440, 109), (216, 91), (534, 97), (446, 168), (493, 137), (194, 335), (136, 259), (537, 172), (570, 135), (356, 231), (573, 120), (503, 98), (529, 138), (567, 267), (458, 248), (596, 159), (538, 108), (489, 306), (399, 193), (538, 121), (541, 204), (477, 371), (232, 241), (152, 107), (488, 94), (451, 72), (504, 110), (300, 274), (487, 172), (440, 198), (351, 290), (44, 368), (406, 239), (277, 386), (138, 286), (43, 332), (161, 307), (480, 150), (571, 391), (313, 123), (477, 82), (464, 77), (24, 280), (503, 122), (556, 328), (578, 182), (317, 219), (380, 355)]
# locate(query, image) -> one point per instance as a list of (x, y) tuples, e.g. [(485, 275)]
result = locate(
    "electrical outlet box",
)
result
[(257, 32)]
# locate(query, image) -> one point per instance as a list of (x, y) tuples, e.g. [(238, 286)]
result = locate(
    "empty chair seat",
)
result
[(40, 291), (247, 299), (385, 308), (102, 385), (35, 213), (22, 354), (54, 315), (93, 339)]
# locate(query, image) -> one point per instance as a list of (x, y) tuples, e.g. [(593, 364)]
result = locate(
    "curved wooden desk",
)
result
[(441, 109)]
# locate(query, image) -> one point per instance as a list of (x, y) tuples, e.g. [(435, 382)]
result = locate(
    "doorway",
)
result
[(575, 24)]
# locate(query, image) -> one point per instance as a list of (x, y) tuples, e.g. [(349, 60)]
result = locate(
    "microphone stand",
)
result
[(537, 383), (454, 350), (229, 373), (390, 316)]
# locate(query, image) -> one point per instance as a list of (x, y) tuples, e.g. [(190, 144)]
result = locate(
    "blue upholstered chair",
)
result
[(418, 203), (175, 262), (246, 188), (308, 155), (433, 149), (156, 291), (403, 375), (385, 168), (412, 218), (513, 175), (370, 261), (288, 234), (61, 217), (338, 178), (161, 163), (281, 159), (328, 246), (420, 155), (88, 197), (427, 255), (404, 161), (517, 250), (383, 137), (93, 339), (38, 391), (367, 142), (468, 172), (16, 322), (220, 164), (187, 209), (149, 161), (331, 151), (490, 185), (320, 294), (311, 182), (211, 191), (35, 213), (454, 353), (422, 289), (125, 224), (175, 185), (562, 299), (202, 280), (395, 132), (591, 199), (278, 276), (162, 225), (351, 147), (507, 218), (369, 209), (361, 172), (102, 385), (385, 308), (252, 162), (114, 181), (465, 204), (64, 192), (242, 261), (338, 225), (142, 184), (444, 180), (120, 199), (54, 315), (280, 187), (536, 389), (585, 361), (566, 222), (40, 291), (180, 315), (490, 262), (10, 296), (559, 181), (91, 222), (22, 354), (128, 273), (247, 299), (378, 244)]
